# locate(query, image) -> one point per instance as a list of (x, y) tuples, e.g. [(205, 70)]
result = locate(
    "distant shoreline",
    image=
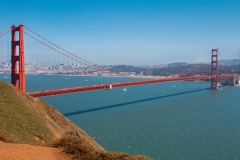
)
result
[(142, 77)]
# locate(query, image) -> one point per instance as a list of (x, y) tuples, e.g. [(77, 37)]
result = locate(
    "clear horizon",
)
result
[(132, 32)]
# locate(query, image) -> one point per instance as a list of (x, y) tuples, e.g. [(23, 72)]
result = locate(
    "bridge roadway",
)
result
[(119, 84)]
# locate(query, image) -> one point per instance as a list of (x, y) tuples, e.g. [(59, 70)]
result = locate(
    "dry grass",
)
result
[(75, 147)]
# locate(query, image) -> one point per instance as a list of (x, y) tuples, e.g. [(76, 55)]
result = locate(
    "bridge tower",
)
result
[(214, 69), (17, 59)]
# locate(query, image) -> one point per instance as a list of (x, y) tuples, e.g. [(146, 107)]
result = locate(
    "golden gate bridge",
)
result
[(27, 47)]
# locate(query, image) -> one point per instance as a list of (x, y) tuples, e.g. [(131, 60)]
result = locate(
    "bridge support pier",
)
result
[(214, 69), (18, 65), (236, 79), (232, 81)]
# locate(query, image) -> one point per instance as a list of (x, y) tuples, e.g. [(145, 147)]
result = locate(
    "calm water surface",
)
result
[(174, 120)]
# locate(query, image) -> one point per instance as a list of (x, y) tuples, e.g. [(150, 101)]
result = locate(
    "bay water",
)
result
[(173, 120)]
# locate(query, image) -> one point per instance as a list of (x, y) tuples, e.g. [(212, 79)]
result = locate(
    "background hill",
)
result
[(175, 68)]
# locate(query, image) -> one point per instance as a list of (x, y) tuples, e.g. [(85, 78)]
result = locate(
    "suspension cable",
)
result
[(194, 66), (59, 47)]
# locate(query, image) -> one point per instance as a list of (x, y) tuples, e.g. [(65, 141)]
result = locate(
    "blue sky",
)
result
[(138, 32)]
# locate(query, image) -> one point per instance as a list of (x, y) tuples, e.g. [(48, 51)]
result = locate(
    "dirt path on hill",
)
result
[(11, 151)]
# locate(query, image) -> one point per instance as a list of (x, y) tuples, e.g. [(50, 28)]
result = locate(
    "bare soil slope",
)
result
[(28, 152)]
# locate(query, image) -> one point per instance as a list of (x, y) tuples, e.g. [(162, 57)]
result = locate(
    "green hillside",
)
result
[(18, 122), (24, 119)]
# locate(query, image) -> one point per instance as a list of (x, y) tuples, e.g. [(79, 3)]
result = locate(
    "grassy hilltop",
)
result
[(28, 120)]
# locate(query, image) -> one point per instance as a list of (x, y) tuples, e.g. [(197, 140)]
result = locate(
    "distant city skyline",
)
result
[(132, 32)]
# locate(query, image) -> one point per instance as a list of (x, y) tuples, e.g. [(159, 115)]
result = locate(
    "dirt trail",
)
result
[(11, 151)]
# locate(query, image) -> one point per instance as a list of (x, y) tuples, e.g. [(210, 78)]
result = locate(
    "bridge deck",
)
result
[(116, 85)]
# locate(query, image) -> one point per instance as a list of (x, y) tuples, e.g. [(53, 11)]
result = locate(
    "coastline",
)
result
[(142, 77)]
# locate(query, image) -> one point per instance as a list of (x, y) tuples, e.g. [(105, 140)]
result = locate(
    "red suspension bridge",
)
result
[(31, 54)]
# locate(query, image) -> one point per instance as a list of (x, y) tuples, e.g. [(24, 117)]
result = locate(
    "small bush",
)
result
[(80, 150), (4, 138)]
